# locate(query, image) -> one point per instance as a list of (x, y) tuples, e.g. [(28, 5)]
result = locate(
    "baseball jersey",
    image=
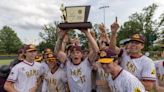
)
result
[(44, 66), (142, 67), (79, 76), (55, 82), (24, 75), (101, 75), (125, 82), (160, 72)]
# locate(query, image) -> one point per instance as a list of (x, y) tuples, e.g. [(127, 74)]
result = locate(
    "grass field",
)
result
[(5, 61)]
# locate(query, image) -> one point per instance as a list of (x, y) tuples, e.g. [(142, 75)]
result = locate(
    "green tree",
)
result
[(9, 40), (143, 23), (49, 36)]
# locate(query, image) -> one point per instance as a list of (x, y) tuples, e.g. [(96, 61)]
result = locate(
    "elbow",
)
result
[(6, 86)]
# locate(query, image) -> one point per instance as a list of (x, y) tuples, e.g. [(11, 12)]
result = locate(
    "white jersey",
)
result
[(24, 75), (142, 67), (45, 67), (125, 82), (160, 72), (55, 82), (79, 76)]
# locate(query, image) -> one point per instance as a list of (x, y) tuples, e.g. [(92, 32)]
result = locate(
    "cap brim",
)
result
[(54, 59), (105, 60), (31, 50), (137, 40)]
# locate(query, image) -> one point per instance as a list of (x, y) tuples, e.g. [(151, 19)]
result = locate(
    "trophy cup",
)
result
[(75, 17)]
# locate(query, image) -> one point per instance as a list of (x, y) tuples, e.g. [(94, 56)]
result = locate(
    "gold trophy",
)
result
[(75, 17)]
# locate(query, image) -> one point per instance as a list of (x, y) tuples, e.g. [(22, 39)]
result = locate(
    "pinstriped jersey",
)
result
[(142, 67), (79, 76), (55, 82), (125, 82), (24, 75), (160, 72)]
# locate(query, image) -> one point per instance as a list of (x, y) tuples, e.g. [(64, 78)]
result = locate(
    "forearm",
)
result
[(92, 42), (112, 43), (9, 87), (59, 44)]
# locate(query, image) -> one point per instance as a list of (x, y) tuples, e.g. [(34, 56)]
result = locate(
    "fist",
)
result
[(102, 28)]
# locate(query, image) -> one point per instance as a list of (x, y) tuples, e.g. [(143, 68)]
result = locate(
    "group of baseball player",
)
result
[(103, 67)]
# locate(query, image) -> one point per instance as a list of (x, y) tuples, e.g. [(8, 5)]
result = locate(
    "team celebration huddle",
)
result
[(102, 67)]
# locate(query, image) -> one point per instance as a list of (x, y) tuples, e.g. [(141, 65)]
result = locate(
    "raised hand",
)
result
[(102, 28), (62, 33), (115, 26)]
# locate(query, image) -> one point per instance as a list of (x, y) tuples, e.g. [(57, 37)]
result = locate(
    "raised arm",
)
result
[(61, 35), (113, 37), (95, 49)]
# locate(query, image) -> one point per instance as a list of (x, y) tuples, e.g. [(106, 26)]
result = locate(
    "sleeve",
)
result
[(149, 71), (13, 76), (134, 85)]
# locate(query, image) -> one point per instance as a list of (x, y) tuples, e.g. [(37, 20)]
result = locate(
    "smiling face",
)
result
[(135, 47), (30, 55), (51, 63), (76, 56)]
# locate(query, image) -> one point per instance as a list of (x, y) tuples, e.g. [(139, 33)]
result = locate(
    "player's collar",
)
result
[(117, 74), (28, 63), (134, 57)]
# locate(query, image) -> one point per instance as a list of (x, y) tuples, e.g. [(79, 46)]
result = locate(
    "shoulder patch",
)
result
[(153, 72), (137, 90)]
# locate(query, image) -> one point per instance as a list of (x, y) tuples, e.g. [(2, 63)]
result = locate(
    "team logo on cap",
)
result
[(50, 55), (136, 36), (103, 54)]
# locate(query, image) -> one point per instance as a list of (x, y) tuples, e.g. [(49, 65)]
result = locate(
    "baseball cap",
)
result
[(30, 47), (75, 48), (51, 57), (107, 56), (137, 37), (124, 41)]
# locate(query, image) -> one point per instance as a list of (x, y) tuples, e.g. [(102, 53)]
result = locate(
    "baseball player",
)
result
[(134, 61), (160, 75), (119, 80), (78, 68), (55, 79), (23, 76)]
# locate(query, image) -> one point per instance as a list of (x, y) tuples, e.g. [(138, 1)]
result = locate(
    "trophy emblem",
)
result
[(75, 17)]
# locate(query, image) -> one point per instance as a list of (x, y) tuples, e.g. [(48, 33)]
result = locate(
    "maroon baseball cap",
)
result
[(75, 48), (107, 56), (137, 37), (30, 47), (51, 56)]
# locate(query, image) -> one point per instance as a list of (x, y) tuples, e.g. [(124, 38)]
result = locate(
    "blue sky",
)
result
[(27, 17)]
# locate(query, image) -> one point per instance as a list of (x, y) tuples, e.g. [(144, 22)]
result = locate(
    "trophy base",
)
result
[(78, 25)]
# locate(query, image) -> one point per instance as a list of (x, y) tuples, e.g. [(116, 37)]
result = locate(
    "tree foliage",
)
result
[(9, 41), (49, 36), (143, 23)]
